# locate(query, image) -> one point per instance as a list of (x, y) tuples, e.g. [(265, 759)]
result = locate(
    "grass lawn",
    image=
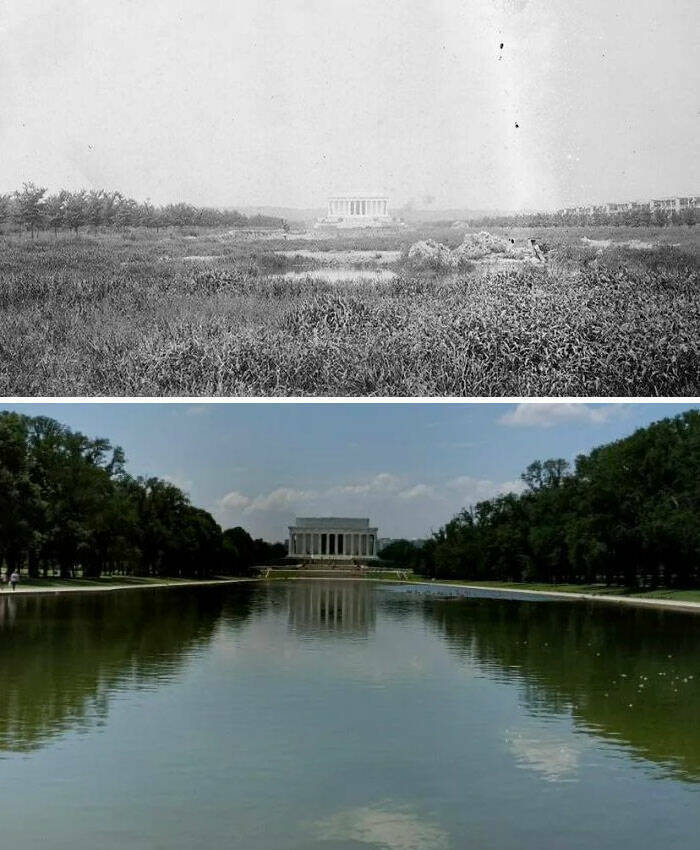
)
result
[(104, 581), (209, 313)]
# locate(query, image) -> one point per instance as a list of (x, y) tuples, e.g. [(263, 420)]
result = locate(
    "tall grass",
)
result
[(112, 317)]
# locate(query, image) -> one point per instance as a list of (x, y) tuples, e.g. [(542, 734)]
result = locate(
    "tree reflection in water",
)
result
[(62, 657), (625, 674)]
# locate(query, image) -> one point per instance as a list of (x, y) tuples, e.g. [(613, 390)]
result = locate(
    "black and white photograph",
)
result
[(306, 198), (349, 425)]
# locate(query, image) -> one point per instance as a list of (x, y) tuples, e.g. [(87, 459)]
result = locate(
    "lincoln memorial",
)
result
[(356, 211), (332, 538)]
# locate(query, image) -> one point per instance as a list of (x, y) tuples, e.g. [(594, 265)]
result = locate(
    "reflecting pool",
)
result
[(345, 715)]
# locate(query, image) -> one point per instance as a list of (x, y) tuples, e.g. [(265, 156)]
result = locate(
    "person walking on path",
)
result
[(14, 579)]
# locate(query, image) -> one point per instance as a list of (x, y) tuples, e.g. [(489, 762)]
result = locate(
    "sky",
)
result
[(409, 468), (284, 102)]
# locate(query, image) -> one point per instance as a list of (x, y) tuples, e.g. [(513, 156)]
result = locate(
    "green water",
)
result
[(345, 716)]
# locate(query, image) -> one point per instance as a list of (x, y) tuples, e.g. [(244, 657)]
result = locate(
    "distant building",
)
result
[(383, 542), (332, 538), (352, 211), (678, 203)]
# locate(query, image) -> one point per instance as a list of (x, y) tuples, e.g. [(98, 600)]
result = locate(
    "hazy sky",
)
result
[(408, 467), (287, 101)]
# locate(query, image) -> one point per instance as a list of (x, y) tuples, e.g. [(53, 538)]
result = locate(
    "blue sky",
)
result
[(409, 467)]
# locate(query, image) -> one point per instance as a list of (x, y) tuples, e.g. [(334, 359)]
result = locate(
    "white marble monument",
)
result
[(332, 538), (348, 211)]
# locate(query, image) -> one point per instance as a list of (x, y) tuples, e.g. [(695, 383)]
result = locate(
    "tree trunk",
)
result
[(33, 565)]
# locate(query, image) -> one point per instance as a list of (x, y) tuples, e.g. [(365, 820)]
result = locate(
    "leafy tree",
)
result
[(548, 474), (126, 213), (94, 208), (628, 514), (75, 210), (689, 216), (28, 206), (54, 210), (68, 504), (5, 208), (402, 552), (660, 217)]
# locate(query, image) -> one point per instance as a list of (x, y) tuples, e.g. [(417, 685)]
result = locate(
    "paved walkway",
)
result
[(678, 604), (20, 590)]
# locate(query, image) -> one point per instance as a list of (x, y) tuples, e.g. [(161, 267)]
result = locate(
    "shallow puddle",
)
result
[(636, 244), (202, 258), (332, 275), (380, 257)]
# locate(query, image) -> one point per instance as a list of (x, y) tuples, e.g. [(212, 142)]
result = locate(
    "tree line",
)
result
[(638, 217), (627, 514), (31, 209), (68, 507)]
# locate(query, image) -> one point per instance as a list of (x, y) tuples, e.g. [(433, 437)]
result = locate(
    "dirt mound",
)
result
[(431, 255)]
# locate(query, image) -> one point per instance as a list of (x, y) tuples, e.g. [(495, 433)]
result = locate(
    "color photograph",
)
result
[(350, 625)]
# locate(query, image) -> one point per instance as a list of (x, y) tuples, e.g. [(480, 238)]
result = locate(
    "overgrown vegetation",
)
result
[(68, 507), (141, 314), (627, 515)]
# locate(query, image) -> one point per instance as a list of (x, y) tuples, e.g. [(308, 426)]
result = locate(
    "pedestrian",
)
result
[(14, 579)]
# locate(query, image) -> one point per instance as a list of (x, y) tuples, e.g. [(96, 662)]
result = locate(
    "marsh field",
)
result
[(610, 311)]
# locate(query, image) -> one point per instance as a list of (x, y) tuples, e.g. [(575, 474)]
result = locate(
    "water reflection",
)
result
[(63, 657), (331, 608), (555, 760), (628, 675), (382, 826), (341, 714)]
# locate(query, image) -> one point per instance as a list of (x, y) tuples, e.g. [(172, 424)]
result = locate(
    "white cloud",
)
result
[(289, 498), (554, 760), (185, 484), (283, 498), (473, 490), (234, 501), (548, 414), (389, 826), (418, 491), (384, 482), (401, 507)]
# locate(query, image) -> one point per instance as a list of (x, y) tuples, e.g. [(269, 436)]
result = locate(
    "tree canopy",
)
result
[(31, 209), (627, 514), (68, 506)]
